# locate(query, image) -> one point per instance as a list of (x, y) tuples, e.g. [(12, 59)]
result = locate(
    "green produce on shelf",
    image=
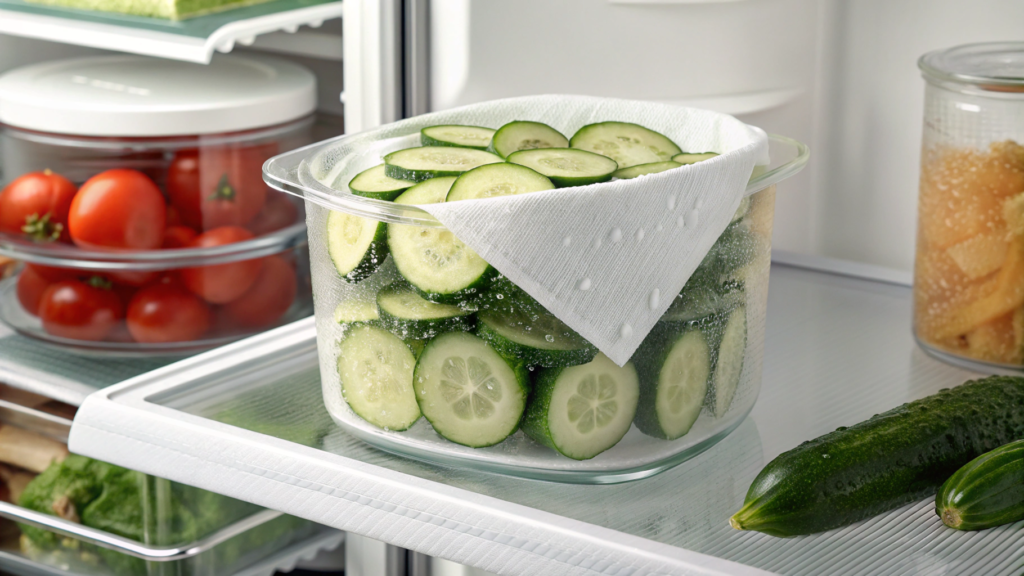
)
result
[(894, 458), (988, 491)]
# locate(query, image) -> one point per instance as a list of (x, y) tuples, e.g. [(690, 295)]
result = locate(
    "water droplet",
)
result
[(680, 221), (549, 337), (584, 284), (597, 242), (615, 235), (626, 331), (655, 298), (671, 202), (640, 234), (825, 456), (692, 217), (567, 240), (499, 296)]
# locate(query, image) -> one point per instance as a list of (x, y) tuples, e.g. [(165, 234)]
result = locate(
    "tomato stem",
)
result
[(224, 191), (100, 282), (41, 229)]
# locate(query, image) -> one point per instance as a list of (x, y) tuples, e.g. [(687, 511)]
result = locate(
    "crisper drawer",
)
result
[(63, 513), (248, 420)]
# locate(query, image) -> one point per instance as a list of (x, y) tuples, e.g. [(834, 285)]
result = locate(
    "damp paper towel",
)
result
[(607, 259)]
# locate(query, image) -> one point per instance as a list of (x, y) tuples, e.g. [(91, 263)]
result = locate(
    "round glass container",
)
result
[(969, 268)]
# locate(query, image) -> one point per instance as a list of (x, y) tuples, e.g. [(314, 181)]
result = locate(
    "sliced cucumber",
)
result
[(376, 370), (524, 135), (536, 338), (497, 180), (727, 361), (583, 410), (567, 166), (470, 394), (374, 183), (357, 246), (693, 158), (627, 144), (645, 169), (353, 310), (456, 135), (409, 316), (418, 164), (742, 211), (430, 191), (674, 365), (703, 297), (437, 264)]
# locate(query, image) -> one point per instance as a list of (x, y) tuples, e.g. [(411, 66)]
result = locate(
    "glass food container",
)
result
[(83, 516), (721, 311), (969, 269), (132, 190)]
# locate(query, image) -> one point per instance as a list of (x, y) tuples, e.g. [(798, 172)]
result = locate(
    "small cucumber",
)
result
[(894, 458), (582, 410), (457, 135), (374, 183), (645, 169), (567, 166), (493, 180), (419, 164), (628, 144), (693, 158), (524, 135), (987, 492), (357, 245)]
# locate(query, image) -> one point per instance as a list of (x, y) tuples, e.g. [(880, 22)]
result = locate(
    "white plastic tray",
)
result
[(838, 349)]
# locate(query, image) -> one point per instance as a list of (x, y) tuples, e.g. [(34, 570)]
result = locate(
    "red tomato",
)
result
[(31, 286), (118, 209), (179, 236), (167, 313), (79, 310), (268, 298), (55, 274), (173, 218), (279, 212), (222, 283), (133, 279), (37, 204), (216, 187)]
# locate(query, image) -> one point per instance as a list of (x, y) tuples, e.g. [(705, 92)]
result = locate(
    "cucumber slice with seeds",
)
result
[(535, 338), (674, 366), (374, 183), (376, 371), (628, 144), (469, 393), (457, 135), (437, 264), (427, 192), (644, 169), (567, 166), (357, 246), (583, 410), (693, 158), (354, 310), (727, 361), (523, 135), (497, 180), (419, 164), (408, 315)]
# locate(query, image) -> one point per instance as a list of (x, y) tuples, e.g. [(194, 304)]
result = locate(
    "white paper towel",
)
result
[(607, 259)]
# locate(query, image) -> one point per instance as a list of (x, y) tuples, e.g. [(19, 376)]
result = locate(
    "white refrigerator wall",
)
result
[(838, 75)]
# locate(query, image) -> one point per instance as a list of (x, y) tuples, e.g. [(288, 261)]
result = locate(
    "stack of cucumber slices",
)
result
[(457, 343)]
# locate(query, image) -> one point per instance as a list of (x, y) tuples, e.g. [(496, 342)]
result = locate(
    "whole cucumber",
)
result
[(892, 459), (987, 492)]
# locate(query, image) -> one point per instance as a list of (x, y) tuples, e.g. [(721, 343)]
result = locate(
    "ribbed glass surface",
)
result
[(838, 350)]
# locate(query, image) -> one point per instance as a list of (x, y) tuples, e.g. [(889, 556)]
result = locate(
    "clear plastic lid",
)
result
[(990, 66)]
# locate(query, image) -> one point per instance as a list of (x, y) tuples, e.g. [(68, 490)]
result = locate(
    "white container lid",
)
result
[(128, 95)]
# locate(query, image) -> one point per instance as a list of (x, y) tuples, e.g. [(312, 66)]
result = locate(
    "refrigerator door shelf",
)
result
[(248, 421), (191, 40)]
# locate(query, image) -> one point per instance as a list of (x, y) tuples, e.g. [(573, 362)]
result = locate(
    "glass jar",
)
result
[(969, 269)]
